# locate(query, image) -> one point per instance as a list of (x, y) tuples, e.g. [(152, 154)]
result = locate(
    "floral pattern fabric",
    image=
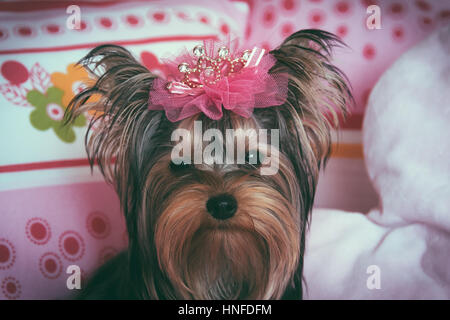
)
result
[(49, 113), (48, 95), (73, 82)]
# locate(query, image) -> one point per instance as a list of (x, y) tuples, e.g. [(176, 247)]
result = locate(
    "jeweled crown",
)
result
[(209, 70)]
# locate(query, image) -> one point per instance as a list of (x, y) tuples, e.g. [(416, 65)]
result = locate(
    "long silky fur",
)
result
[(125, 138), (318, 92)]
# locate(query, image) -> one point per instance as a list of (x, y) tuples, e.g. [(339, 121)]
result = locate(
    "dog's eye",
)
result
[(179, 165), (254, 158)]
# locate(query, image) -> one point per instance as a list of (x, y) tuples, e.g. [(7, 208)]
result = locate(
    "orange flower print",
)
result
[(74, 81)]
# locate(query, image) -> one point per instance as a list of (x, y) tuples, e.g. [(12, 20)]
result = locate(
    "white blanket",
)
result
[(400, 250)]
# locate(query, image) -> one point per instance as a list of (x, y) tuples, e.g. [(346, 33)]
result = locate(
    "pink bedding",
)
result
[(54, 213), (399, 250)]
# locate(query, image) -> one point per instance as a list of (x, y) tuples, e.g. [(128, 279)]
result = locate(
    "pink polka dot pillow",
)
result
[(370, 52)]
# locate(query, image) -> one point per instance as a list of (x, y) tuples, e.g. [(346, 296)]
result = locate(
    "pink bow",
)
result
[(239, 89)]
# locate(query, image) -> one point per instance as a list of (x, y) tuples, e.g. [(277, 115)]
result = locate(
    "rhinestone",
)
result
[(224, 52), (199, 51), (209, 72), (183, 67), (246, 55), (201, 64)]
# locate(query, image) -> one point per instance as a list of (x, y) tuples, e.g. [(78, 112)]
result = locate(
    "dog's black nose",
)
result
[(222, 207)]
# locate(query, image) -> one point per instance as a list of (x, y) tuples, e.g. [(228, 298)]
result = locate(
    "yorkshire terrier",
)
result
[(212, 229)]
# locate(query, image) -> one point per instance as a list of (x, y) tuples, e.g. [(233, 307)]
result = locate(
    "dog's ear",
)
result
[(120, 134), (318, 91)]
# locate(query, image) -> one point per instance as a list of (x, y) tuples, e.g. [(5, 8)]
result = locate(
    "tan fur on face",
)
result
[(253, 255), (250, 255)]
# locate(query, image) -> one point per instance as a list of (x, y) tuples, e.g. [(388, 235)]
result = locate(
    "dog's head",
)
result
[(204, 222)]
